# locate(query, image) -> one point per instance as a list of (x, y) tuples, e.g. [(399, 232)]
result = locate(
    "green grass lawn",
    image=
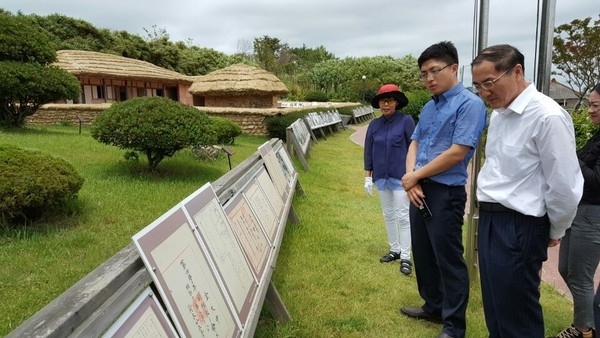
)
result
[(117, 200), (328, 272)]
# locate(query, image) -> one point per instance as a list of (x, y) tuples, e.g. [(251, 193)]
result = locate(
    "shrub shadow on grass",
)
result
[(64, 216), (39, 130), (169, 170)]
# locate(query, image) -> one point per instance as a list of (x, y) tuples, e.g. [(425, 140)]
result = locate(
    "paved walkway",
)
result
[(550, 268)]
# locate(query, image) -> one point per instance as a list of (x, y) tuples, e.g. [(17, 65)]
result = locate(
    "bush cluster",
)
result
[(416, 101), (584, 128), (226, 130), (347, 110), (33, 182), (277, 125), (316, 96)]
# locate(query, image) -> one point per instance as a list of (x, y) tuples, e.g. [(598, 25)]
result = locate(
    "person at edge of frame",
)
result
[(528, 190), (579, 251), (445, 138)]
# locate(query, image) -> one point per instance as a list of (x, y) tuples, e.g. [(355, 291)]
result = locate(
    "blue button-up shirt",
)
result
[(456, 117), (386, 145)]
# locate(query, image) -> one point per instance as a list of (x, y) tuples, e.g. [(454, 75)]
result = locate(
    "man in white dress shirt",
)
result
[(528, 191)]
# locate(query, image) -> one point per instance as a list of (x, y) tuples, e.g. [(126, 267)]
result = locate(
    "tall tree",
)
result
[(162, 51), (576, 53), (201, 61), (343, 79), (27, 79), (70, 33), (306, 57), (268, 52), (128, 45)]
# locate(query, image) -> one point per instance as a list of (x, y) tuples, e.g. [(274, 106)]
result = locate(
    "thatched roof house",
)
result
[(110, 78), (562, 94), (238, 85)]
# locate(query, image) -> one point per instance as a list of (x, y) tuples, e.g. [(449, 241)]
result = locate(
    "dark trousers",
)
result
[(578, 259), (511, 249), (442, 276)]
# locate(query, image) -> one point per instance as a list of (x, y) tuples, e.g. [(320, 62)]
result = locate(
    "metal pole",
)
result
[(480, 36), (544, 69), (363, 88), (484, 18), (80, 122)]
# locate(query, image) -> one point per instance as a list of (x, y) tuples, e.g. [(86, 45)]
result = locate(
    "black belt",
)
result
[(494, 207), (427, 180)]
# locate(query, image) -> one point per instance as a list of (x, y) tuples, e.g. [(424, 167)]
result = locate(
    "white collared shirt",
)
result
[(531, 164)]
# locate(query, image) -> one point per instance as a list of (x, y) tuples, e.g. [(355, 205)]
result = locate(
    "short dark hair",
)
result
[(504, 57), (443, 51), (596, 89)]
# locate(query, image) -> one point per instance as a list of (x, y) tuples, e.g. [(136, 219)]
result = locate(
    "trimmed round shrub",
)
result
[(226, 130), (33, 182), (347, 110), (277, 125), (155, 126)]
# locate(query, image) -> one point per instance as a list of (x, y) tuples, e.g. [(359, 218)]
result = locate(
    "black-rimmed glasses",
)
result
[(432, 72)]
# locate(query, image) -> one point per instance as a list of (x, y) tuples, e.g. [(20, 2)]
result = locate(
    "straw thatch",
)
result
[(559, 91), (94, 64), (236, 80)]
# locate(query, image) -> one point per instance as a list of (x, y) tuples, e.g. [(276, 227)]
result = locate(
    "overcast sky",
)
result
[(349, 28)]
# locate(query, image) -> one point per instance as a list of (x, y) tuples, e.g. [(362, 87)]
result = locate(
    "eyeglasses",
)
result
[(432, 72), (387, 100), (488, 85)]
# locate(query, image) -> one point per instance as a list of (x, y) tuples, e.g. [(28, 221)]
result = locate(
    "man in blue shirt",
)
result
[(449, 128)]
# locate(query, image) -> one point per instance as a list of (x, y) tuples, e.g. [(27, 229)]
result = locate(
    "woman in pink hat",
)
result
[(386, 145)]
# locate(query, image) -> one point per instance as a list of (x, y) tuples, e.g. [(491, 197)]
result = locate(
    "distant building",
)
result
[(562, 94), (238, 86), (107, 78)]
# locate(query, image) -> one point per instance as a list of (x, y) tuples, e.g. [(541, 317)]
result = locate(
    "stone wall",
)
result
[(251, 120), (241, 101), (251, 124), (67, 113)]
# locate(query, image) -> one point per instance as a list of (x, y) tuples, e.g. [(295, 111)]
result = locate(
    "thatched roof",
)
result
[(559, 91), (94, 64), (238, 79)]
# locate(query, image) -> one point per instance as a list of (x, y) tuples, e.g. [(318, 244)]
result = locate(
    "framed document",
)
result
[(302, 135), (249, 233), (145, 318), (216, 233), (180, 268), (274, 170), (261, 206), (286, 166)]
